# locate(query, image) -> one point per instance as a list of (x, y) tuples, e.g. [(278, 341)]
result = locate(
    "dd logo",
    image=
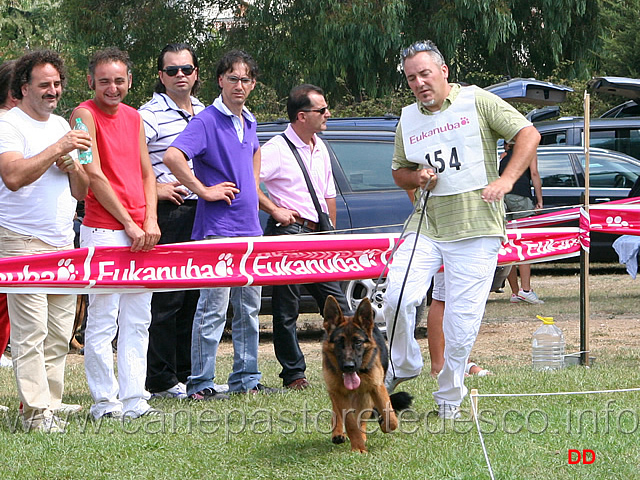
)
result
[(587, 457)]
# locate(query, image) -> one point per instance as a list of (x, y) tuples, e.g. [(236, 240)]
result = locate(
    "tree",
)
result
[(516, 38), (24, 24), (348, 47), (620, 55), (142, 28)]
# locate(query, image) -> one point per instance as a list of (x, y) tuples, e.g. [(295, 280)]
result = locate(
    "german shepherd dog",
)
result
[(354, 364)]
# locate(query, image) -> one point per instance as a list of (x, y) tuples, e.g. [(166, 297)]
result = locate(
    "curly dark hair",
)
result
[(107, 55), (232, 57), (6, 72), (175, 48), (25, 65)]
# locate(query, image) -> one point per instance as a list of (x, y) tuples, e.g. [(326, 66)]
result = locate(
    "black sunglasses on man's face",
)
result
[(172, 70)]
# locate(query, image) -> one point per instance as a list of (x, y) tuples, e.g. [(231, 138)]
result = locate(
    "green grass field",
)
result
[(287, 436)]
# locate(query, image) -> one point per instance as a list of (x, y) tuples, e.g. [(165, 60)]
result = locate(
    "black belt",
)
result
[(307, 224)]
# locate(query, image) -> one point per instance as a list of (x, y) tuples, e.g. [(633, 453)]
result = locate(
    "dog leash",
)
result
[(422, 201)]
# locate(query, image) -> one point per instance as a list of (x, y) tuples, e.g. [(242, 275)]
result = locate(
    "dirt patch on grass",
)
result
[(506, 331)]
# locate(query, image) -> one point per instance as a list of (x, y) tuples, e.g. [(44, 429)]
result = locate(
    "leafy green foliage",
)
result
[(515, 38), (347, 47), (621, 52)]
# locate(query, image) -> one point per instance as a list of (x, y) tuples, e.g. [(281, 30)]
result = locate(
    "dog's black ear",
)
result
[(332, 313), (364, 314)]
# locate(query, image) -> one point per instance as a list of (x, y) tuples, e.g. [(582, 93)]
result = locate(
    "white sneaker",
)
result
[(49, 425), (5, 362), (392, 382), (149, 412), (529, 297), (515, 298), (178, 391), (448, 412), (68, 409)]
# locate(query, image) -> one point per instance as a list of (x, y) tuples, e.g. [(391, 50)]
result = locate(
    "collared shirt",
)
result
[(218, 155), (283, 177), (237, 122), (466, 215), (163, 122)]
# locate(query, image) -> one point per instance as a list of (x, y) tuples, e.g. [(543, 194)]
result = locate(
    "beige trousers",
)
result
[(41, 326)]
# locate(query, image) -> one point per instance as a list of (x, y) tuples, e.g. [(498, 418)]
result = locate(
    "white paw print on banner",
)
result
[(223, 267), (367, 260), (66, 270), (617, 221)]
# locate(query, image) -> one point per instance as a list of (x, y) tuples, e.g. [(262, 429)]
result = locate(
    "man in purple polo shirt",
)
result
[(224, 148)]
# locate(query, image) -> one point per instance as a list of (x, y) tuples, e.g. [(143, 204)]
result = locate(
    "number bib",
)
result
[(449, 142)]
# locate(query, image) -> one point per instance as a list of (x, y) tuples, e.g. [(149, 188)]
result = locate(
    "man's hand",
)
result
[(223, 191), (152, 234), (427, 178), (284, 216), (67, 164), (496, 190), (172, 191), (137, 236), (74, 139)]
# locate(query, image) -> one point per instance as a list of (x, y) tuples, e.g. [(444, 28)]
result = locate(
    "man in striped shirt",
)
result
[(446, 143), (165, 117)]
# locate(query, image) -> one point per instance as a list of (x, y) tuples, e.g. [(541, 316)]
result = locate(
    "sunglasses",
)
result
[(173, 70), (321, 111), (423, 46)]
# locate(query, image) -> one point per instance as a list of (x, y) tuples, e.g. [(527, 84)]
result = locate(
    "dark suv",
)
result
[(368, 200), (617, 129), (619, 134)]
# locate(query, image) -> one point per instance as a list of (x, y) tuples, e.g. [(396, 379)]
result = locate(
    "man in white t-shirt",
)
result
[(41, 182)]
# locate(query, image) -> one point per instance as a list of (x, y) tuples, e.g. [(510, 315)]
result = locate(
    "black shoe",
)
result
[(207, 394), (259, 388)]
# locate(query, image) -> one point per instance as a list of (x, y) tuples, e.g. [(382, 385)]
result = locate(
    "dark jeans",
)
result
[(169, 355), (285, 304)]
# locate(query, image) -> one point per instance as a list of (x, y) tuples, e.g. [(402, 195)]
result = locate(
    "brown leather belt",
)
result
[(307, 223)]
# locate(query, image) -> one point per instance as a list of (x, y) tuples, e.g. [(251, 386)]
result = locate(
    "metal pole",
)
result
[(584, 255)]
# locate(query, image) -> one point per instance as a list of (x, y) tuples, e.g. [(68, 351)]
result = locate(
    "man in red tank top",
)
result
[(120, 210)]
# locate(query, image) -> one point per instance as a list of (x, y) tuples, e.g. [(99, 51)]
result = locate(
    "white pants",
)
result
[(468, 271), (128, 315)]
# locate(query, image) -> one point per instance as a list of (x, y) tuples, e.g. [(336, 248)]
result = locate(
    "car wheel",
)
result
[(356, 290)]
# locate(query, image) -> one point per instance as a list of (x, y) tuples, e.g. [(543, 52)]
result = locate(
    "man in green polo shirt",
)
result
[(446, 143)]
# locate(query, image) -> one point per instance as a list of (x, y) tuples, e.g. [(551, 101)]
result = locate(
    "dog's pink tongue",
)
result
[(351, 380)]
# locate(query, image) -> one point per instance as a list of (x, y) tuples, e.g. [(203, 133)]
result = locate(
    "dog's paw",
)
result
[(338, 439)]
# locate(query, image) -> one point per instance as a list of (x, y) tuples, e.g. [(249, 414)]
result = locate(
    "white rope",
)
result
[(555, 393), (477, 422), (474, 395)]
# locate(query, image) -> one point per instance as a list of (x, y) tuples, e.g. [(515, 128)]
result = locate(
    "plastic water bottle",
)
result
[(84, 156), (548, 346)]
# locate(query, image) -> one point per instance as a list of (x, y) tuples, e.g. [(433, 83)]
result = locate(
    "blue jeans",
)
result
[(208, 325)]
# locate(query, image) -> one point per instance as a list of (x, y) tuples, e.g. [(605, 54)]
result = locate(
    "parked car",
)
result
[(611, 176), (368, 200), (619, 134), (617, 129), (622, 86)]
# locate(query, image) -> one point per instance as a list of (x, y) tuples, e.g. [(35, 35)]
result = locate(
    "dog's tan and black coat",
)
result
[(354, 364)]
